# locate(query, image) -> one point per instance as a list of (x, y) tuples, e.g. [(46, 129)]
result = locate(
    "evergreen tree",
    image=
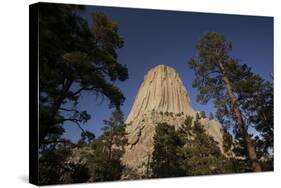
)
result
[(105, 163), (114, 132), (73, 59), (221, 78), (261, 102), (51, 163), (189, 151), (165, 161), (201, 153), (87, 138)]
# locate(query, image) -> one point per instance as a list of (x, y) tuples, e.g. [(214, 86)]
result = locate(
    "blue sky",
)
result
[(155, 37)]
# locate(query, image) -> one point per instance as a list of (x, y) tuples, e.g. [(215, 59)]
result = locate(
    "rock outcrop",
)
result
[(161, 97), (162, 90)]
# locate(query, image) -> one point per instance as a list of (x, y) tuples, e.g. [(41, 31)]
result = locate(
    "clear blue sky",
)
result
[(155, 37)]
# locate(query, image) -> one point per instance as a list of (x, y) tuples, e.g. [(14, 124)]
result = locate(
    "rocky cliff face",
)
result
[(162, 91), (161, 97)]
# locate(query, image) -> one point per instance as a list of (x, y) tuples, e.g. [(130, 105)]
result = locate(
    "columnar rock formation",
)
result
[(162, 97), (162, 90)]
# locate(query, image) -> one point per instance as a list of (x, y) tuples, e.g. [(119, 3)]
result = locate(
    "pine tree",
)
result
[(220, 77), (51, 163), (201, 153), (188, 151), (114, 132), (105, 163), (74, 59), (167, 143), (87, 138), (261, 102)]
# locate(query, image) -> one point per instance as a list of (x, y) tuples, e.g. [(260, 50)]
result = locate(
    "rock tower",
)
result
[(161, 97)]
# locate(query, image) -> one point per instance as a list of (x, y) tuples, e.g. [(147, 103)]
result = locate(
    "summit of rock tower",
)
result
[(162, 91)]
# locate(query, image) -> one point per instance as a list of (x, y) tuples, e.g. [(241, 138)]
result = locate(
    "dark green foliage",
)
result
[(87, 138), (178, 114), (167, 143), (268, 163), (202, 114), (102, 168), (262, 103), (197, 116), (188, 151), (114, 133), (74, 59), (228, 141), (240, 165), (213, 50), (105, 163), (208, 81), (201, 153), (79, 173), (51, 163), (101, 156), (235, 90)]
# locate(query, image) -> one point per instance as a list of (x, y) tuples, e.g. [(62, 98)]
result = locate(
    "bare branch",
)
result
[(73, 120), (82, 89)]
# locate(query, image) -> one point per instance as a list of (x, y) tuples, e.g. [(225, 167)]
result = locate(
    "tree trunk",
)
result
[(147, 166), (110, 144), (249, 143)]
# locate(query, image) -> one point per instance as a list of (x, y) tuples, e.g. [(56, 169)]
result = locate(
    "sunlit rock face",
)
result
[(161, 97), (162, 91)]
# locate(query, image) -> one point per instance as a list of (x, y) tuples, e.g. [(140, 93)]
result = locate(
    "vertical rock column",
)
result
[(162, 91)]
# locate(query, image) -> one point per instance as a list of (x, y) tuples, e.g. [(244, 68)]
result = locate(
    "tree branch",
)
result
[(73, 120), (82, 89)]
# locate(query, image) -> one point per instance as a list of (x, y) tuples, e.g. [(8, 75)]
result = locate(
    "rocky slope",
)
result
[(161, 97)]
